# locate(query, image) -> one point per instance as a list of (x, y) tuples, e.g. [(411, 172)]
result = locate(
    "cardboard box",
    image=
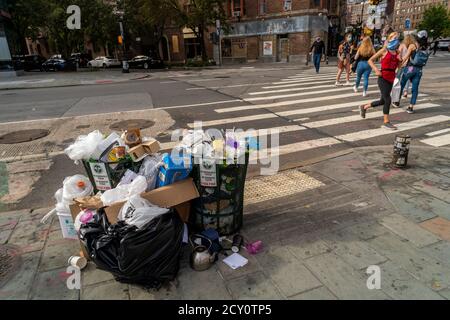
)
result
[(146, 148), (171, 196), (173, 170)]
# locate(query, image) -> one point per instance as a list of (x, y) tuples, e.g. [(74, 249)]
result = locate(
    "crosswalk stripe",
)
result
[(235, 120), (371, 133), (352, 137), (291, 89), (308, 77), (295, 102), (287, 81), (282, 96), (259, 132), (293, 147), (370, 115), (435, 133), (438, 141), (297, 84)]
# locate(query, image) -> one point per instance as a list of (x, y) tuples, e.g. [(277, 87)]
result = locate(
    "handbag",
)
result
[(355, 65)]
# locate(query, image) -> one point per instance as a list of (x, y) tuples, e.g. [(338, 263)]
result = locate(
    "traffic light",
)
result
[(374, 2), (120, 40)]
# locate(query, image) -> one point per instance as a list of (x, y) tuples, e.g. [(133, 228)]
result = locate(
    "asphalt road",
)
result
[(311, 117)]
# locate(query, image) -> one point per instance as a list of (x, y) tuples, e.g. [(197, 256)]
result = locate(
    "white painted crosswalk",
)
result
[(323, 116)]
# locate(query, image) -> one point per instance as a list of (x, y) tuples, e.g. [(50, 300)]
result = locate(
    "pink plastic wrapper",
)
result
[(255, 247)]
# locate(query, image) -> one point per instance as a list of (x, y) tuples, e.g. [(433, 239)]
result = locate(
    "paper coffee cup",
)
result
[(78, 262)]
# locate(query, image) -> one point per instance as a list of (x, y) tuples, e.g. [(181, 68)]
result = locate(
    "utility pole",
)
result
[(219, 36)]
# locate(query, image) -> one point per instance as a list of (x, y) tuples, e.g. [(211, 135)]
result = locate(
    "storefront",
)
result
[(273, 40)]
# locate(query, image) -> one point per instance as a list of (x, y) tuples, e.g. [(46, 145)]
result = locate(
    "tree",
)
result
[(27, 18), (201, 14), (436, 20)]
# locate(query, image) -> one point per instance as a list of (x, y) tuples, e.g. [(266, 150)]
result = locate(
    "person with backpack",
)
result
[(390, 61), (403, 50), (414, 61), (364, 53), (317, 50)]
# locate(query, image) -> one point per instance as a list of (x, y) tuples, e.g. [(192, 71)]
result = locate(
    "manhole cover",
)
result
[(10, 261), (23, 136), (131, 124)]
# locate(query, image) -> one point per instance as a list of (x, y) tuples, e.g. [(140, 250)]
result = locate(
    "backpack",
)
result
[(420, 59)]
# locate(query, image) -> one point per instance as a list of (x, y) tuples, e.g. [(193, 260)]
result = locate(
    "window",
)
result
[(315, 3), (287, 5), (262, 7)]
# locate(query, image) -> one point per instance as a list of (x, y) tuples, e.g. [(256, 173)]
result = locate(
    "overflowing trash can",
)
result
[(221, 188)]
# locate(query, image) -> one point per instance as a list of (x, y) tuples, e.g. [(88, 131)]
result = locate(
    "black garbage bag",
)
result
[(148, 256)]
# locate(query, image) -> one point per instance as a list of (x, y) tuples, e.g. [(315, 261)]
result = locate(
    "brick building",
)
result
[(412, 11), (278, 30)]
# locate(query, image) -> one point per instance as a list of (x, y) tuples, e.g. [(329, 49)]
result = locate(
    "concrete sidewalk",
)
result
[(322, 226)]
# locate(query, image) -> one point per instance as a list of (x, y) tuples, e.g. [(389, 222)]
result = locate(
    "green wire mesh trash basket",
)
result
[(107, 175), (220, 207)]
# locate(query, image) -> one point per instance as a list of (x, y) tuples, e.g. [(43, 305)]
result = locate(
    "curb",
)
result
[(77, 84)]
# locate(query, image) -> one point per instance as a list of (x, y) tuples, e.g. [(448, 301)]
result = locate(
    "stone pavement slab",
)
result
[(304, 247), (433, 273), (56, 254), (353, 251), (227, 273), (400, 285), (52, 285), (366, 230), (409, 230), (255, 286), (92, 275), (18, 287), (29, 235), (439, 251), (321, 293), (341, 279), (288, 273), (212, 285), (439, 226), (111, 290)]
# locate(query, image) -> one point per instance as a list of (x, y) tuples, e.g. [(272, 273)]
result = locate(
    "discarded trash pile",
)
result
[(136, 207)]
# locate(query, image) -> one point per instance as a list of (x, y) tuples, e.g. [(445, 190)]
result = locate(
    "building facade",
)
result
[(277, 30), (408, 13), (6, 65)]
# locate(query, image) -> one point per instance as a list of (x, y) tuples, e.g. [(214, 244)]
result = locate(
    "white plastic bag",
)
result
[(124, 192), (395, 93), (84, 146), (149, 169), (138, 212), (77, 186)]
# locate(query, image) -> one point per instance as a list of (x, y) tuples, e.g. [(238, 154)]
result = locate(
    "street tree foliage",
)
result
[(436, 20), (198, 15), (31, 18), (147, 19), (28, 16)]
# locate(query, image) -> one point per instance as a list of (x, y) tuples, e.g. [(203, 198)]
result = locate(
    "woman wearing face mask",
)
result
[(344, 60), (414, 61), (390, 60), (403, 50)]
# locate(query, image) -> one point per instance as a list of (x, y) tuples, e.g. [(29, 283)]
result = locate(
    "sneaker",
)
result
[(389, 126), (364, 93), (337, 84), (348, 83), (355, 89), (395, 104), (362, 111), (410, 110)]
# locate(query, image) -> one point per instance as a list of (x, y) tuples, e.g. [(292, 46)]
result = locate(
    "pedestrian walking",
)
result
[(416, 58), (435, 46), (390, 60), (317, 50), (344, 62), (364, 53), (403, 50)]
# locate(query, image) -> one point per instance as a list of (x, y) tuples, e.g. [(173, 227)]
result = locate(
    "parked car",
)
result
[(104, 62), (59, 64), (444, 44), (145, 62), (81, 59)]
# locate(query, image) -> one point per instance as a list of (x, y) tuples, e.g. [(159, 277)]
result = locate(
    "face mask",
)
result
[(393, 44)]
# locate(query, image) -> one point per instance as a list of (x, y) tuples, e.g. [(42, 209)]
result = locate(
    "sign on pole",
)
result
[(407, 23)]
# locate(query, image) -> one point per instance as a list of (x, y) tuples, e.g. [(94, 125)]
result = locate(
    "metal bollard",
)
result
[(401, 151)]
